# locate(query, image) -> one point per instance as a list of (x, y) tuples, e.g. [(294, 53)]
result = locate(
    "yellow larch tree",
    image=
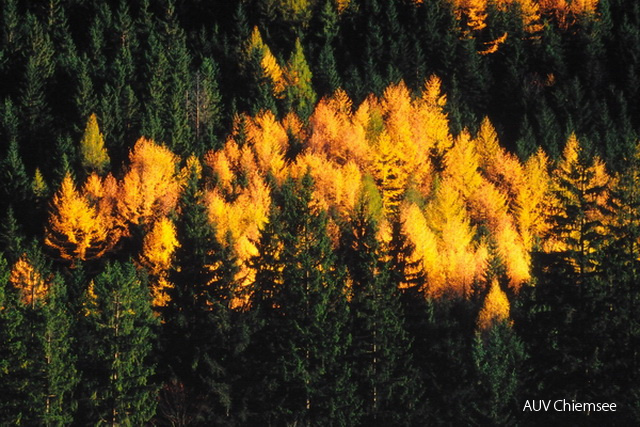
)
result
[(269, 142), (150, 187), (243, 217), (532, 200), (489, 207), (76, 229), (335, 134), (92, 150), (399, 111), (425, 242), (462, 165), (158, 247), (389, 172), (336, 187), (496, 307), (30, 283), (430, 120), (462, 260), (501, 168)]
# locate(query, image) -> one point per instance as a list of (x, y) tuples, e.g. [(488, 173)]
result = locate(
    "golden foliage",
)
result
[(336, 187), (77, 229), (150, 187), (462, 260), (92, 150), (473, 14), (415, 227), (158, 247), (335, 133), (269, 142), (495, 309), (462, 165), (243, 217), (32, 286), (390, 172), (532, 199)]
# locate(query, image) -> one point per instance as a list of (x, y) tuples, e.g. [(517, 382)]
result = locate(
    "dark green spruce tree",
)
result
[(299, 373), (119, 329), (202, 334), (387, 382)]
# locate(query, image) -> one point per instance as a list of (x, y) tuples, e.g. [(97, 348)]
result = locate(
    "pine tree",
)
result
[(117, 374), (205, 106), (498, 356), (299, 373)]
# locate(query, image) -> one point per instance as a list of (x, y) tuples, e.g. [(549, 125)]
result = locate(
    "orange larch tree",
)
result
[(158, 247), (150, 187), (76, 229)]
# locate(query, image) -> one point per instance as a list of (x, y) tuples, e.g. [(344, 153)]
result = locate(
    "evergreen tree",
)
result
[(387, 382), (498, 356), (205, 106), (40, 371), (300, 344), (117, 383), (203, 334)]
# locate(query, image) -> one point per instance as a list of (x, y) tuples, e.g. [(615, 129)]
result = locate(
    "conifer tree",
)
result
[(117, 385), (300, 374), (386, 380), (92, 150), (40, 371), (300, 93), (205, 106), (498, 356), (202, 334)]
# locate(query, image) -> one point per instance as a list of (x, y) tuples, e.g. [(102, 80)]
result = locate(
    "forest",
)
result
[(319, 212)]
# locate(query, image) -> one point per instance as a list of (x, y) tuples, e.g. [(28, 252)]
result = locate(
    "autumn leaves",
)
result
[(464, 203)]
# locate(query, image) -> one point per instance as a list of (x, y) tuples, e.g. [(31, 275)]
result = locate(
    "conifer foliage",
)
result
[(318, 212)]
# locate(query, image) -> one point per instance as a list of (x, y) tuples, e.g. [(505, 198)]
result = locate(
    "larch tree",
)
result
[(76, 230), (158, 247), (93, 153), (150, 187), (299, 90)]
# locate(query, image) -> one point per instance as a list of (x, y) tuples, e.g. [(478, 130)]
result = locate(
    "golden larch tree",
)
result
[(462, 165), (496, 307), (461, 259), (92, 150), (30, 283), (158, 247), (268, 142), (150, 187), (76, 230)]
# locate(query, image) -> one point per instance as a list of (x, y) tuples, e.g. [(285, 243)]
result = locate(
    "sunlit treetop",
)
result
[(32, 286), (495, 309), (151, 186)]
